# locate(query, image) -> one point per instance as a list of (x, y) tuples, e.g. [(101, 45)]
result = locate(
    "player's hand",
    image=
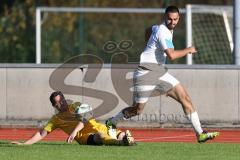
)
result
[(192, 50), (17, 143), (71, 137)]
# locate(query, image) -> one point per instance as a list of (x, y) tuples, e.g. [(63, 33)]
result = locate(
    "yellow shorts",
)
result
[(90, 128)]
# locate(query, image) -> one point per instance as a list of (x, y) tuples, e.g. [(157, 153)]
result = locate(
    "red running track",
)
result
[(140, 135)]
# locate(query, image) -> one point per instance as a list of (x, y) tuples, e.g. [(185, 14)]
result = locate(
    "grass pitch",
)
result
[(142, 151)]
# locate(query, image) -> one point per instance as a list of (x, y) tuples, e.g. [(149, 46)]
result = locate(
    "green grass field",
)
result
[(142, 151)]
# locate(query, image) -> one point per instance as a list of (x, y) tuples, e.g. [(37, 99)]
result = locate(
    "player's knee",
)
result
[(183, 96), (98, 139)]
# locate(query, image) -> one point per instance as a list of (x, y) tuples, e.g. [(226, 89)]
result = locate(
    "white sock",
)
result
[(193, 117), (118, 117)]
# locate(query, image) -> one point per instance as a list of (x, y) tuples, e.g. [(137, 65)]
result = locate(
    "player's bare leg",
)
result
[(134, 110), (126, 113), (180, 94)]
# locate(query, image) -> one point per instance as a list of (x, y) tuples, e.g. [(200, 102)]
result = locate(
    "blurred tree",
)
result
[(69, 34), (17, 32), (5, 4)]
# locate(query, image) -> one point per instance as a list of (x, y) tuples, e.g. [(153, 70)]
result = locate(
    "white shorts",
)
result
[(146, 81)]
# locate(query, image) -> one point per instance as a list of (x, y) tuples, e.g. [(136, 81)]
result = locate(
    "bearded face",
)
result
[(171, 19)]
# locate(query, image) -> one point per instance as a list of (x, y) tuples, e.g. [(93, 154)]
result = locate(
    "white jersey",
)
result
[(160, 40)]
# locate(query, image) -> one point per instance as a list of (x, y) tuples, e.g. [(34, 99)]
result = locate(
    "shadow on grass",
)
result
[(60, 144), (8, 144)]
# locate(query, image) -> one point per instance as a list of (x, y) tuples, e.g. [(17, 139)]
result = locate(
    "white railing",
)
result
[(188, 11)]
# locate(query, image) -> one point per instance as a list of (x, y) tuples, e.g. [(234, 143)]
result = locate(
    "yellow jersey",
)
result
[(67, 121)]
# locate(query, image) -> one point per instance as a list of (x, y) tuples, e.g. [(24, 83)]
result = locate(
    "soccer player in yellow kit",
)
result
[(76, 120)]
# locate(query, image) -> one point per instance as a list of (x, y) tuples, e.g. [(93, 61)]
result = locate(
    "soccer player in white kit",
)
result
[(151, 74)]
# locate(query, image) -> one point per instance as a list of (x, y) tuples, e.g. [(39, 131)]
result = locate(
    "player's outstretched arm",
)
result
[(174, 54), (35, 138), (79, 127)]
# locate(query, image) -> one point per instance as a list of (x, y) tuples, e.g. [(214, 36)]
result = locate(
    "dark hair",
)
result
[(172, 9), (54, 94)]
